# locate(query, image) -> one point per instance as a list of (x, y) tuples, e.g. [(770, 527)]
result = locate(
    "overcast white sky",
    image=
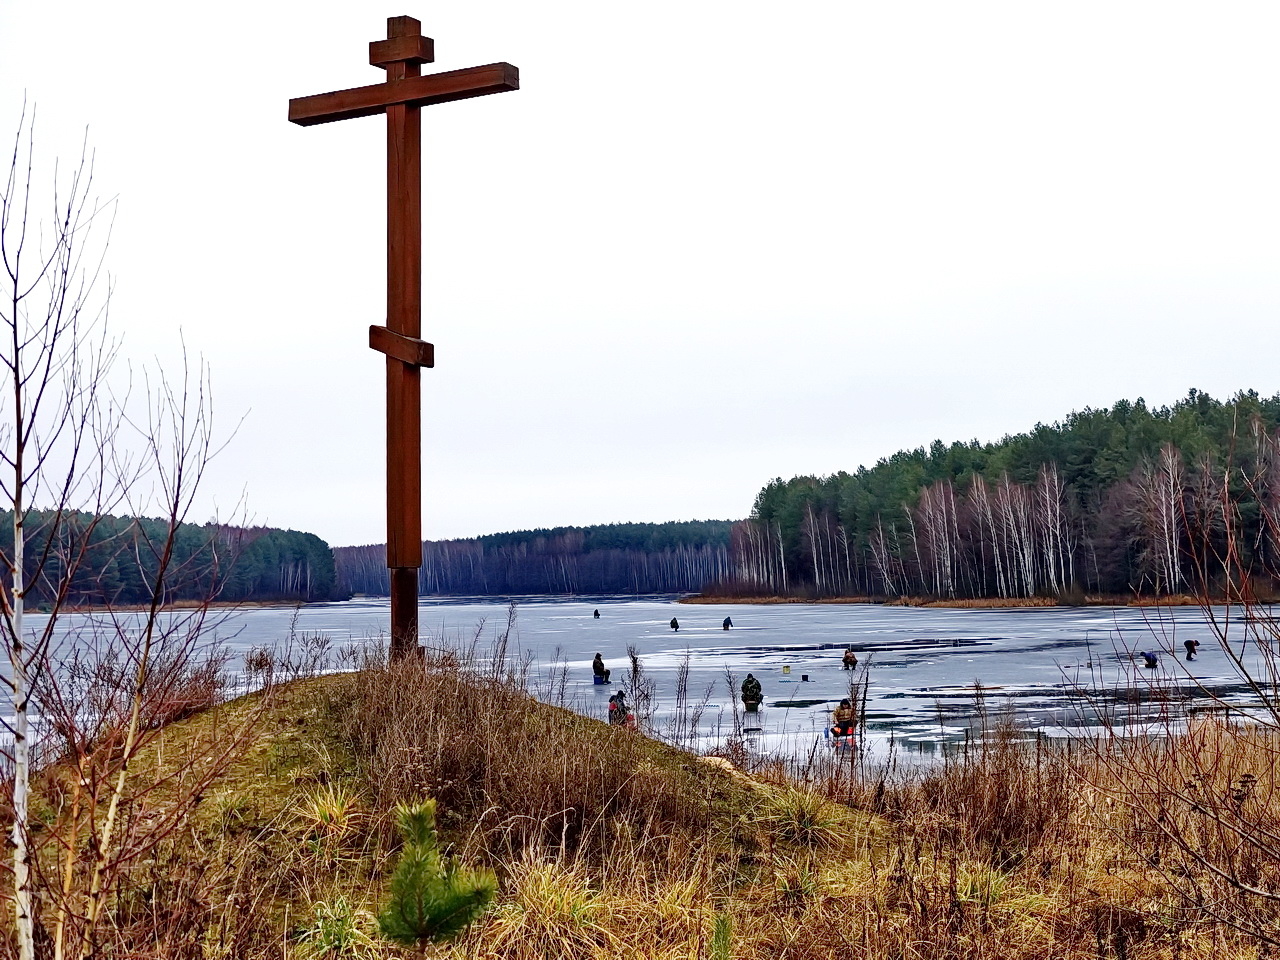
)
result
[(706, 244)]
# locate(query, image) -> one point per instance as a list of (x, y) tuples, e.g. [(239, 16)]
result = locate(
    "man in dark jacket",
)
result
[(752, 693), (597, 667)]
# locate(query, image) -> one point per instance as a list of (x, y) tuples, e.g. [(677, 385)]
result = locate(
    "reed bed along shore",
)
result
[(609, 843)]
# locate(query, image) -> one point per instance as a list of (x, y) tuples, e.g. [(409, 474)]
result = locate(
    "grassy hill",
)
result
[(610, 844)]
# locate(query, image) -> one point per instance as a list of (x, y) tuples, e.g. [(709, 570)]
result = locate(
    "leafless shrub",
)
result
[(74, 452), (297, 656), (641, 689)]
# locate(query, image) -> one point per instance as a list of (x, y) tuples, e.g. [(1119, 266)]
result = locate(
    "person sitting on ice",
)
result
[(843, 719), (598, 668), (1150, 659), (850, 659), (675, 624), (751, 692)]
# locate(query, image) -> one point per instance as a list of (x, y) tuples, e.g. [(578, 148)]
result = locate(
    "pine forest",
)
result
[(1109, 503), (617, 558), (228, 563), (1114, 502)]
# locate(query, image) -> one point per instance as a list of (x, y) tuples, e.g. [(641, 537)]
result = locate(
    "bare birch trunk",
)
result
[(55, 368), (843, 536), (987, 523), (782, 559), (1171, 495), (915, 542), (808, 529), (881, 558), (24, 922)]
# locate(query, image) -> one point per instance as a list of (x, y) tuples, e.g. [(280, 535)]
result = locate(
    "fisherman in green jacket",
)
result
[(752, 693)]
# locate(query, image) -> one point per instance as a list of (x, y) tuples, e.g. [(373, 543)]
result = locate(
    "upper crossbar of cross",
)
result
[(401, 56)]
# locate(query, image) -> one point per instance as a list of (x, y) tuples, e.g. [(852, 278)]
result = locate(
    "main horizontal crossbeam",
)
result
[(413, 91)]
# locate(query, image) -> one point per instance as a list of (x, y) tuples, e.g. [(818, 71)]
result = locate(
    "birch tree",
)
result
[(882, 558), (73, 452), (57, 426), (1158, 488), (939, 533), (980, 500), (1170, 510), (1013, 510), (1055, 540)]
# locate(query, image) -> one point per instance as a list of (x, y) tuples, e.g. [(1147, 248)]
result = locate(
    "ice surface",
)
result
[(932, 674)]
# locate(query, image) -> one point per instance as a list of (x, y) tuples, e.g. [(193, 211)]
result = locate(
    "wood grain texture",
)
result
[(411, 91), (404, 611), (404, 317), (417, 353), (402, 27), (417, 49)]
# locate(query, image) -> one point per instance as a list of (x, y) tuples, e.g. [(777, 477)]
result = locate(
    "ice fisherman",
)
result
[(843, 719), (618, 715), (752, 692), (598, 668)]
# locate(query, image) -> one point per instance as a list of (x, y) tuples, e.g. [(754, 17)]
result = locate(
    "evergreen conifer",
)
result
[(431, 898)]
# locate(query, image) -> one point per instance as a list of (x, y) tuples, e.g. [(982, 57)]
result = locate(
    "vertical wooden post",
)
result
[(404, 316), (402, 97)]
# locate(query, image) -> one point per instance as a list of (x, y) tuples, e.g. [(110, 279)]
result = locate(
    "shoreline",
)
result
[(983, 603), (175, 605)]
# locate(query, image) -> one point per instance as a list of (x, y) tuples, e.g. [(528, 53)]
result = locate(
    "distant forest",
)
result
[(617, 558), (215, 561), (1115, 501)]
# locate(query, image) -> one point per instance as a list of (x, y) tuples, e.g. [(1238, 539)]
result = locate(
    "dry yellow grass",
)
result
[(611, 845)]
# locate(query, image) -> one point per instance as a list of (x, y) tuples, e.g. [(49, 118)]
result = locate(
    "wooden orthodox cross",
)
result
[(400, 97)]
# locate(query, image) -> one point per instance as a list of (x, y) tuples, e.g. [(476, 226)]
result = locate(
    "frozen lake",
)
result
[(921, 665)]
